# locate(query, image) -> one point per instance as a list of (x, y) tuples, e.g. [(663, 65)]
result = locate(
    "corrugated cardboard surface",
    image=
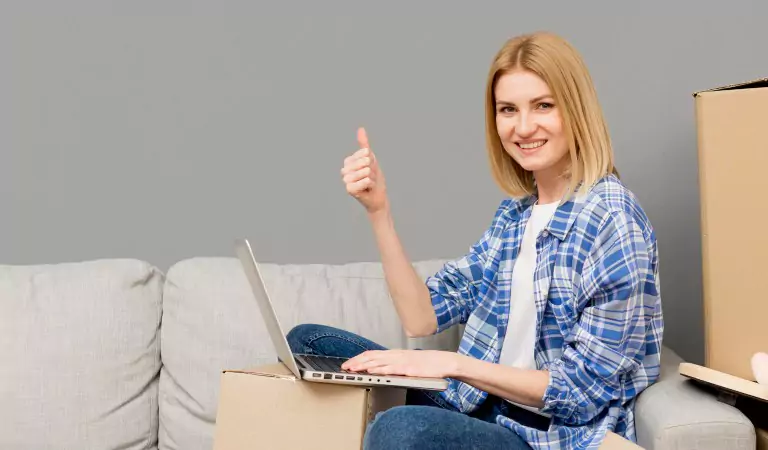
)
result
[(615, 442), (732, 128), (268, 408), (754, 393), (273, 410)]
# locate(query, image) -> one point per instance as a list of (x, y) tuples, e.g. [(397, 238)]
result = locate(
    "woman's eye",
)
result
[(546, 105), (506, 109)]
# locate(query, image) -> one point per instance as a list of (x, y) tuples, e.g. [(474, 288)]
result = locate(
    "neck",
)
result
[(551, 183), (550, 188)]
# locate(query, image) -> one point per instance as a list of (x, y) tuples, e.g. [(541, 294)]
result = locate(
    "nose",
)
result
[(526, 125)]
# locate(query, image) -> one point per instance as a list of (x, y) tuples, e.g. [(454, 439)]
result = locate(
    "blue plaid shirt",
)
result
[(599, 328)]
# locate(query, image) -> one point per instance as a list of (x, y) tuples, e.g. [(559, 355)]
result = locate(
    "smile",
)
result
[(531, 145)]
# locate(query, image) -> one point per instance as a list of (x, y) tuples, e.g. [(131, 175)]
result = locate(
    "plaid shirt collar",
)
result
[(562, 221)]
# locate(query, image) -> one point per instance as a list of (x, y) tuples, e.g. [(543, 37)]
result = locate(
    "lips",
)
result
[(530, 146)]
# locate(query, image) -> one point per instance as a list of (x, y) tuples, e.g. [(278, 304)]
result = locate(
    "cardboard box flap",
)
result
[(721, 380), (277, 370), (757, 83)]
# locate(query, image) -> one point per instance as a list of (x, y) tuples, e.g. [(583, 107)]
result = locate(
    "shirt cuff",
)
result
[(444, 313), (558, 400)]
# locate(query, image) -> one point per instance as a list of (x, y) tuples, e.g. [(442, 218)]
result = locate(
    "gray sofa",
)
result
[(115, 354)]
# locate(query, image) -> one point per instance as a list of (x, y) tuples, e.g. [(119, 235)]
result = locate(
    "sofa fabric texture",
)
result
[(80, 355)]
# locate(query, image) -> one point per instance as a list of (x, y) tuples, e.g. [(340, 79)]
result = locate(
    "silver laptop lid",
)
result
[(244, 252)]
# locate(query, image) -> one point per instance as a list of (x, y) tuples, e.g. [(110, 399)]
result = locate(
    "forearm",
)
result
[(409, 293), (524, 386)]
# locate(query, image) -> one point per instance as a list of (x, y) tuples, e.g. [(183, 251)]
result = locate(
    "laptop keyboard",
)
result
[(325, 363)]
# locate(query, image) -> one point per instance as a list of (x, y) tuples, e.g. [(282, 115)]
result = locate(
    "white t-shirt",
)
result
[(520, 339)]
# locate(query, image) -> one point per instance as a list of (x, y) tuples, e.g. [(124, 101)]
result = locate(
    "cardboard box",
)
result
[(615, 442), (268, 407), (732, 129)]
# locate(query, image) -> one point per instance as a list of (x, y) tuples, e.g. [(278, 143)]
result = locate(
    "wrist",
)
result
[(380, 216), (458, 368)]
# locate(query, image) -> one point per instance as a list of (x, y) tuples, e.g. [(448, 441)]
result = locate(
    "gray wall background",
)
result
[(164, 131)]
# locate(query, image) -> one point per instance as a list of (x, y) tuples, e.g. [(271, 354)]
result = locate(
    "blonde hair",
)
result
[(563, 70)]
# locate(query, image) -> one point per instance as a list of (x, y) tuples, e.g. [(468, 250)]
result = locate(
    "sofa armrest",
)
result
[(676, 413)]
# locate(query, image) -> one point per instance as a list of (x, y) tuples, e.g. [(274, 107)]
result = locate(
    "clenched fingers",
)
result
[(358, 175), (362, 153), (360, 186), (356, 164)]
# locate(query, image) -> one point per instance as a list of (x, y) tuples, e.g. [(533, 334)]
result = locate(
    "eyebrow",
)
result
[(537, 99)]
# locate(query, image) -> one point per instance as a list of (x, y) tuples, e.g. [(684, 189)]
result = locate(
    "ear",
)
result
[(760, 368)]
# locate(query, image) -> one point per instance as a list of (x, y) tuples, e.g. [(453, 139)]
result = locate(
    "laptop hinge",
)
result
[(302, 364)]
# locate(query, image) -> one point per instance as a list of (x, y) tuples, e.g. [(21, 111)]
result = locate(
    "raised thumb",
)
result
[(362, 138)]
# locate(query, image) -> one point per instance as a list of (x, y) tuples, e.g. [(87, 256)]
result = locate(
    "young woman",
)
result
[(560, 296)]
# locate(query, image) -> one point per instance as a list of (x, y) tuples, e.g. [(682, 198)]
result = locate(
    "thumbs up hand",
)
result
[(363, 178)]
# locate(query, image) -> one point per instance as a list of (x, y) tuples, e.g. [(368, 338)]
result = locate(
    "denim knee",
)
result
[(299, 336), (396, 428)]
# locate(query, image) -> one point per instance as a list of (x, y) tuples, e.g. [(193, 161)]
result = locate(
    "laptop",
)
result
[(320, 369)]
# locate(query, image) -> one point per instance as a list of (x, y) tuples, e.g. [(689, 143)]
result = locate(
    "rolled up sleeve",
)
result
[(454, 289), (619, 324)]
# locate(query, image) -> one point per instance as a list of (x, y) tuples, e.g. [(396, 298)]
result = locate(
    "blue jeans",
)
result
[(426, 421)]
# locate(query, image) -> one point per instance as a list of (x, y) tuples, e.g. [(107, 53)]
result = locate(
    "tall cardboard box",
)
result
[(732, 128)]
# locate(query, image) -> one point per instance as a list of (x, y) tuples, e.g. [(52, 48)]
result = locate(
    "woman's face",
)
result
[(529, 123)]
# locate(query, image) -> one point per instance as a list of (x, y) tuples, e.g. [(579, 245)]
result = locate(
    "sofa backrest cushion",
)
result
[(211, 322), (79, 355)]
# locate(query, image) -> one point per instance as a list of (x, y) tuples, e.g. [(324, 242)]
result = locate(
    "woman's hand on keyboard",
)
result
[(412, 363)]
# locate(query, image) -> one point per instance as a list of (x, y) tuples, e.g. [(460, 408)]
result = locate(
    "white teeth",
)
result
[(532, 145)]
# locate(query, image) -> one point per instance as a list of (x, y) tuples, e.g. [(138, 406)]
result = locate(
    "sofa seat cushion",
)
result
[(211, 322), (80, 355)]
